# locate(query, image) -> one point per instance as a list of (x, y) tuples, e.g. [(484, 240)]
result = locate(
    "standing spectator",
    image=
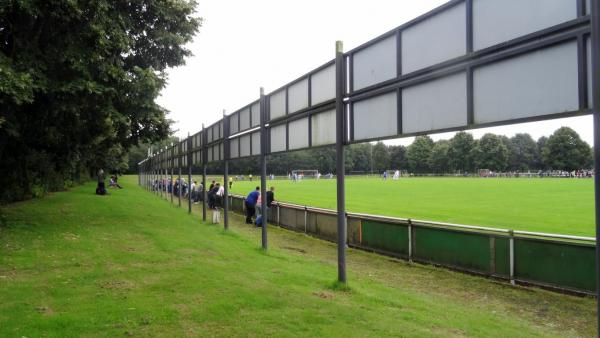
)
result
[(270, 197), (230, 182), (250, 204), (200, 189), (220, 194), (212, 203), (101, 189), (212, 185), (250, 177), (193, 191)]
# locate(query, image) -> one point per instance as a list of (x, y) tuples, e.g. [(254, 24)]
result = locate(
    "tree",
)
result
[(459, 152), (565, 150), (381, 157), (398, 157), (438, 159), (491, 153), (418, 154), (78, 81), (541, 143), (358, 158), (523, 152)]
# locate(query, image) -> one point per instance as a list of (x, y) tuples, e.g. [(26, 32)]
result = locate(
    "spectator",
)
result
[(250, 204), (200, 196), (270, 197), (220, 194), (212, 203), (193, 193), (212, 196), (101, 188), (113, 182)]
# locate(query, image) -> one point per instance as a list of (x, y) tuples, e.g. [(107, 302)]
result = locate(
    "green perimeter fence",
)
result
[(554, 261)]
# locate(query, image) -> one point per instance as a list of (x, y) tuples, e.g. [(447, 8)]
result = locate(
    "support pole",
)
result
[(263, 166), (179, 185), (154, 177), (595, 45), (189, 163), (511, 256), (410, 250), (204, 157), (226, 170), (340, 165), (172, 173), (165, 180)]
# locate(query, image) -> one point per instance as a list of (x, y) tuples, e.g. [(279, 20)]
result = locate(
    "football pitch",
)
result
[(550, 205)]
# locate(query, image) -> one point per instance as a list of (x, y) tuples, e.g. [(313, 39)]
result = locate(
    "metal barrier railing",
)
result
[(561, 262)]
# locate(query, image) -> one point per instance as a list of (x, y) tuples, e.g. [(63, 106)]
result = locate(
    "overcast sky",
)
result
[(245, 45)]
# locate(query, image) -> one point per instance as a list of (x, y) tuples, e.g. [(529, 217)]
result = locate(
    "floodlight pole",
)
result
[(226, 170), (263, 166), (189, 163), (340, 165), (204, 157), (595, 45)]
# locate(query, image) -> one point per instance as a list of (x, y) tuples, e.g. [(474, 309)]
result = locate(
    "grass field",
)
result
[(130, 264), (563, 206)]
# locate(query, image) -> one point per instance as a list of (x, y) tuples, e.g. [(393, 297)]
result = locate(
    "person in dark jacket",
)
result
[(270, 197), (212, 197)]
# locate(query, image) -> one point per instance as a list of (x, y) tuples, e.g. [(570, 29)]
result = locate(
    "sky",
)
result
[(245, 45)]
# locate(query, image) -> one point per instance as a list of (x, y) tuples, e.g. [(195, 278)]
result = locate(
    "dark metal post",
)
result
[(189, 163), (154, 190), (340, 165), (226, 170), (166, 174), (179, 178), (595, 45), (204, 157), (263, 165), (164, 171), (172, 172), (160, 173), (155, 175)]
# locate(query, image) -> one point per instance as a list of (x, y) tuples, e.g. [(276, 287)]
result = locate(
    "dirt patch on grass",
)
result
[(117, 285), (45, 310), (323, 295)]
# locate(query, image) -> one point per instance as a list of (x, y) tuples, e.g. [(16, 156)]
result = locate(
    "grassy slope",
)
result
[(562, 206), (75, 264)]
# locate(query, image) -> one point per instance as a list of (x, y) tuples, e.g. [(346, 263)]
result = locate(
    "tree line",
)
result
[(78, 83), (563, 150)]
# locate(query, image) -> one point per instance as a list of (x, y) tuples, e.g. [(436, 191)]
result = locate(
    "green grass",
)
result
[(131, 264), (563, 206)]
